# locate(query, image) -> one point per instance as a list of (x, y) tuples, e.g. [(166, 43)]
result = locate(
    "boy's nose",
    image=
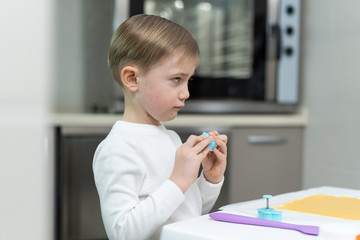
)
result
[(184, 94)]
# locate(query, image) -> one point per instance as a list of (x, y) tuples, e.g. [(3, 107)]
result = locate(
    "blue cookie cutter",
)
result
[(212, 144), (269, 213)]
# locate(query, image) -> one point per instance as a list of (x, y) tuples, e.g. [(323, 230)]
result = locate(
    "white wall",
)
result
[(69, 84), (331, 75), (83, 79), (25, 74)]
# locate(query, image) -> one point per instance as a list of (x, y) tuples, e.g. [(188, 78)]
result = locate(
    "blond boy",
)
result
[(144, 175)]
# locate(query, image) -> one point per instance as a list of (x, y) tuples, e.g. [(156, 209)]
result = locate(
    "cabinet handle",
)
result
[(266, 139)]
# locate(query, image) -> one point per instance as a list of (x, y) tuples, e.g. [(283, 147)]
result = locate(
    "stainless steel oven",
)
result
[(249, 51)]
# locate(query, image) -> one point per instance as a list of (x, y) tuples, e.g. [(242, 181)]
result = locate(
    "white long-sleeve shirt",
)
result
[(132, 167)]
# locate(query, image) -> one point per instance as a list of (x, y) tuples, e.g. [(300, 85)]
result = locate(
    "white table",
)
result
[(205, 228)]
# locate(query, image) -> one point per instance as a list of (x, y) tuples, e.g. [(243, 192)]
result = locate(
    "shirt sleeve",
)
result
[(209, 192), (119, 177)]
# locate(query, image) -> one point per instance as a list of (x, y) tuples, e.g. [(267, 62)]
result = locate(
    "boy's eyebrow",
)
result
[(183, 74)]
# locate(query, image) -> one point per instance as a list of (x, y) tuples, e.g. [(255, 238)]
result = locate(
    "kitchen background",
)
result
[(329, 73)]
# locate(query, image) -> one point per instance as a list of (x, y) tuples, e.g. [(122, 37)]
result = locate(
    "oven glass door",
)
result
[(232, 39)]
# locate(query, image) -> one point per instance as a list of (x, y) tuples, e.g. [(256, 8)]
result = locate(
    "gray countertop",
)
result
[(298, 119)]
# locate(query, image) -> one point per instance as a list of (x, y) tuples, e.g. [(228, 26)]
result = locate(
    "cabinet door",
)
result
[(264, 161)]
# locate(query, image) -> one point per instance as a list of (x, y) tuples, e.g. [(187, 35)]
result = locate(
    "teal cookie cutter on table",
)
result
[(269, 213), (212, 144)]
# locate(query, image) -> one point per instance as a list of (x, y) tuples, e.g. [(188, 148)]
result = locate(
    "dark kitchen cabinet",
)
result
[(78, 206)]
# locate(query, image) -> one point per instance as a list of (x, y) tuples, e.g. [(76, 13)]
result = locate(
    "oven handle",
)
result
[(274, 34), (276, 30), (273, 45)]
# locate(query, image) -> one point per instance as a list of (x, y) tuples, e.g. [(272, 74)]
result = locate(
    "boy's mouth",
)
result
[(179, 107)]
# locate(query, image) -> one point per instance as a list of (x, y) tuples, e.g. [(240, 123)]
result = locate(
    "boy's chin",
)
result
[(169, 118)]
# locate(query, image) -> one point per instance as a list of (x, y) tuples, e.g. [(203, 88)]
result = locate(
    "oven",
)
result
[(249, 51)]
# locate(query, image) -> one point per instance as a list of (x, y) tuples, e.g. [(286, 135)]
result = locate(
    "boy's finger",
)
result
[(214, 133), (222, 146), (193, 140), (202, 144), (204, 152), (222, 138)]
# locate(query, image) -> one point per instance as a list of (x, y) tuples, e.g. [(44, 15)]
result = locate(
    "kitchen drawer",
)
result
[(264, 161)]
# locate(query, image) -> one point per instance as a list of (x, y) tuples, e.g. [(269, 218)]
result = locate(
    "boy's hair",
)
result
[(144, 40)]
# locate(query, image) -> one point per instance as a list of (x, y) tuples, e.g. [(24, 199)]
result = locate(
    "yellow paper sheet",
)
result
[(326, 205)]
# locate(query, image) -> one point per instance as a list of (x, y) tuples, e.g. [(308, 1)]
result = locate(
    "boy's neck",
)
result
[(131, 115), (134, 113)]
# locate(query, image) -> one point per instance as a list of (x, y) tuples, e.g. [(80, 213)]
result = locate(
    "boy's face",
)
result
[(163, 89)]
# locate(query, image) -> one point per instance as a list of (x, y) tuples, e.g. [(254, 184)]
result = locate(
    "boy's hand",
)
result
[(214, 164), (188, 158)]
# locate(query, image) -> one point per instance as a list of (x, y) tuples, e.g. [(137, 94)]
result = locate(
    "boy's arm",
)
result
[(209, 192), (118, 184)]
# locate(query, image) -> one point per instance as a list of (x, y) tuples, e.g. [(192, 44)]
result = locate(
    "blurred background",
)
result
[(37, 80)]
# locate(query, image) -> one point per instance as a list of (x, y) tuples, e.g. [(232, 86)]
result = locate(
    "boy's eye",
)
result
[(177, 79)]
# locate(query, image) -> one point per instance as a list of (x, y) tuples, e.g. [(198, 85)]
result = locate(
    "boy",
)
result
[(144, 175)]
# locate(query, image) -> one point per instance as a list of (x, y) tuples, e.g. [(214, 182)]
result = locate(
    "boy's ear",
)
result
[(129, 76)]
